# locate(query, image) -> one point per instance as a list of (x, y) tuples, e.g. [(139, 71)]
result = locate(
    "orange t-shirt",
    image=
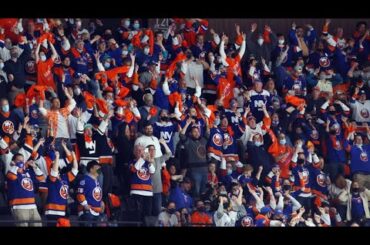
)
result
[(44, 74)]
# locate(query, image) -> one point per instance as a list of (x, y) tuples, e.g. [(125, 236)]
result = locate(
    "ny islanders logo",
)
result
[(217, 139), (363, 157), (321, 180), (364, 113), (27, 184), (63, 191), (8, 127), (143, 174), (97, 193), (324, 62)]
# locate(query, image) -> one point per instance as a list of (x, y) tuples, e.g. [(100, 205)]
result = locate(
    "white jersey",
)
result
[(361, 111)]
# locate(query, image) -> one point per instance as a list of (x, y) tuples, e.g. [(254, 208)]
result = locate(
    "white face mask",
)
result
[(146, 51), (127, 23), (106, 65), (359, 145), (217, 121), (260, 41), (281, 41), (124, 52), (136, 26), (1, 65), (77, 91), (258, 143), (282, 142), (42, 57)]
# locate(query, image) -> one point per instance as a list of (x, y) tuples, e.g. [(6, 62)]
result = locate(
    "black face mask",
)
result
[(355, 190), (202, 209), (300, 161), (194, 117), (226, 205), (220, 108), (164, 119), (171, 210), (287, 187), (333, 132), (332, 113), (65, 66), (188, 56)]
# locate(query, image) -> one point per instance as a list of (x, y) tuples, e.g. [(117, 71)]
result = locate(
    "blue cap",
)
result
[(278, 212), (265, 210)]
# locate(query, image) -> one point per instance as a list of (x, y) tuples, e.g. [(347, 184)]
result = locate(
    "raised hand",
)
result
[(253, 27)]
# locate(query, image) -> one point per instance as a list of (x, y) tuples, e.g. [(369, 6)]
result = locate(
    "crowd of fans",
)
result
[(130, 123)]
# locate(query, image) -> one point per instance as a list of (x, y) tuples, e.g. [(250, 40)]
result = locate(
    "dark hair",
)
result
[(361, 23), (90, 165), (16, 155)]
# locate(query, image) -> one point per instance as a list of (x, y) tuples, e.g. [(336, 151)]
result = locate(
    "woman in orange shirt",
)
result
[(44, 65)]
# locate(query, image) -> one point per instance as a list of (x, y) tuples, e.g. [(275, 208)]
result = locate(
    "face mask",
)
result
[(124, 52), (20, 164), (146, 51), (1, 66), (229, 171), (281, 41), (258, 143), (334, 132), (5, 108), (77, 91), (136, 26), (217, 121), (359, 145), (226, 205), (282, 142), (106, 65), (275, 122), (98, 171), (300, 161), (332, 113), (164, 119), (260, 41), (171, 210), (355, 190), (202, 209), (322, 77), (127, 23), (42, 57), (287, 187)]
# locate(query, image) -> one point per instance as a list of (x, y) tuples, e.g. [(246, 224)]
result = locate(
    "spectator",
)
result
[(200, 217), (168, 218)]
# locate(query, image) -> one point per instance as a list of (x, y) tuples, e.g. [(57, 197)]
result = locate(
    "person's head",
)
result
[(66, 62), (18, 160), (146, 49), (163, 115), (42, 56), (278, 214), (125, 22), (362, 97), (102, 46), (252, 122), (258, 85), (275, 168), (136, 24), (159, 36), (316, 93), (186, 184), (151, 150), (358, 140), (281, 38), (233, 104), (200, 206), (229, 168), (200, 38), (260, 40), (148, 130), (266, 211), (270, 85), (112, 44), (320, 46), (340, 181), (301, 159), (171, 207), (124, 51), (80, 45), (139, 151), (282, 139), (93, 168), (8, 43), (248, 170), (172, 169), (194, 133), (257, 140), (212, 167), (148, 99), (224, 122), (4, 105), (339, 32), (275, 119), (361, 27), (88, 130), (14, 53), (55, 103), (299, 31), (355, 187)]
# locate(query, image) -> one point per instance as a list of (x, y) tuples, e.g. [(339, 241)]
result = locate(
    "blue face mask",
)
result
[(229, 171), (5, 108), (258, 143), (136, 26), (106, 65), (20, 164), (283, 142)]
